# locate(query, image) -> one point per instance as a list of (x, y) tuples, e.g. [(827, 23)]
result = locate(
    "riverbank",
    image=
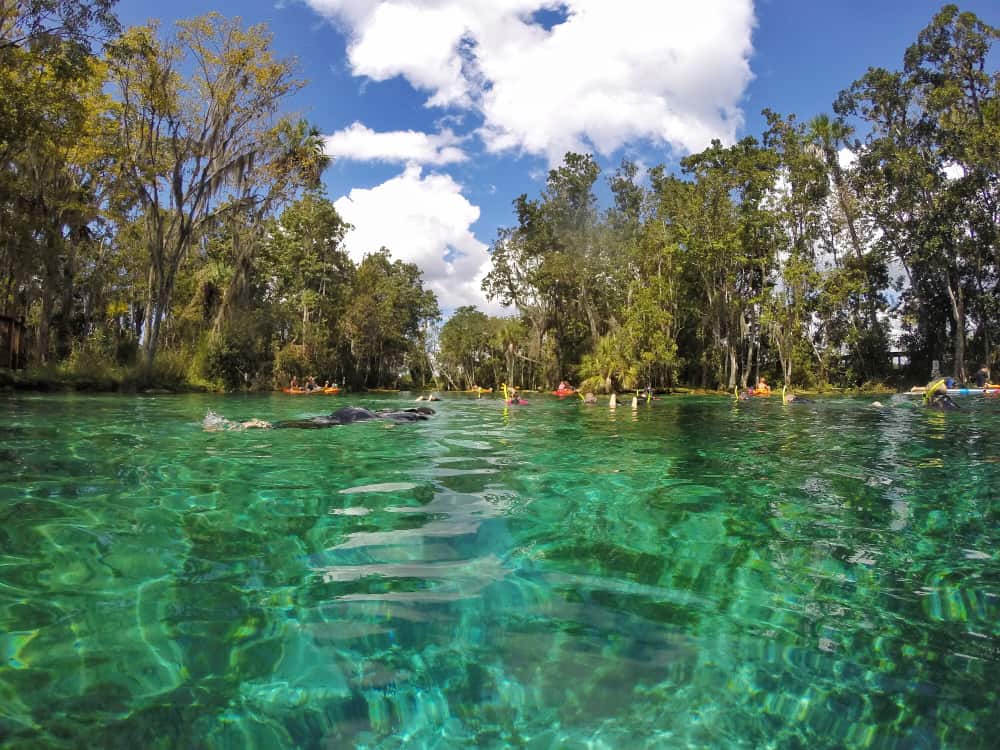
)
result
[(134, 380), (52, 380)]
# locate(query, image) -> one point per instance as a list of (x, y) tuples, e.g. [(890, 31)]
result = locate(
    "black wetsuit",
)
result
[(351, 414), (942, 401)]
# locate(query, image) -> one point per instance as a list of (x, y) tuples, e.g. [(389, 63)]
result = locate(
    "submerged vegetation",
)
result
[(164, 222)]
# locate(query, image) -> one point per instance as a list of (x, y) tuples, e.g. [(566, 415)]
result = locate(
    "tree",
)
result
[(35, 23), (385, 321), (309, 271), (465, 352), (850, 297), (936, 116), (552, 266), (728, 234), (797, 204), (50, 167), (290, 158), (188, 147), (650, 310), (609, 367)]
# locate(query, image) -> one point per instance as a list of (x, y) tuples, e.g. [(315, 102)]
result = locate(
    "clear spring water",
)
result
[(693, 574)]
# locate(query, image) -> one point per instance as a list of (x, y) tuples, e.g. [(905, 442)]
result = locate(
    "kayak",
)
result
[(307, 392), (563, 392)]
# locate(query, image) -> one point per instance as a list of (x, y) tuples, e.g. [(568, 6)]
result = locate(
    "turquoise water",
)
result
[(692, 574)]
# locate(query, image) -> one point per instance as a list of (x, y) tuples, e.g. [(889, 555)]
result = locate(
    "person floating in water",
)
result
[(936, 396), (789, 397), (345, 415)]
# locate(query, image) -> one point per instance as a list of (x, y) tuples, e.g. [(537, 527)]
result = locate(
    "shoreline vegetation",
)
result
[(158, 237), (50, 380)]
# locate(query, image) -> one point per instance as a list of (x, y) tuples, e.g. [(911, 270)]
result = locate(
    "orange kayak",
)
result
[(313, 392)]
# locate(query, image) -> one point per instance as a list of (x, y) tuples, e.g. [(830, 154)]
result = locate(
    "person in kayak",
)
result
[(345, 415)]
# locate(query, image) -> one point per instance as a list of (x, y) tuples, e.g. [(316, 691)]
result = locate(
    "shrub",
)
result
[(230, 357), (290, 360)]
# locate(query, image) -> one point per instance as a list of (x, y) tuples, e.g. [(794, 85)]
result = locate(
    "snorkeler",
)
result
[(937, 396), (789, 397), (344, 415), (941, 401)]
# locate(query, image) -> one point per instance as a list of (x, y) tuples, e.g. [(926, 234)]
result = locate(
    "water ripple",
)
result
[(691, 573)]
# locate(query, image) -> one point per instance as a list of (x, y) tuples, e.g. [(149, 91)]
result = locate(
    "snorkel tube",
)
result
[(938, 385)]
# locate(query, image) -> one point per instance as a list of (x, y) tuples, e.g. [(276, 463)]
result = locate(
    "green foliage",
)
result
[(197, 147), (89, 369), (764, 256), (609, 368), (465, 350), (169, 372), (232, 358), (292, 360), (384, 323), (648, 332)]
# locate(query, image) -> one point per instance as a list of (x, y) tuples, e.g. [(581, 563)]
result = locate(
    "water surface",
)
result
[(690, 574)]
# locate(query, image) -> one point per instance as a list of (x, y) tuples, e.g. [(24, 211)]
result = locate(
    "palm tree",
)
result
[(608, 366)]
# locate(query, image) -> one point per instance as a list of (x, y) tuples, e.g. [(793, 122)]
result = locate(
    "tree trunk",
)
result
[(44, 326), (50, 283), (958, 317), (64, 332)]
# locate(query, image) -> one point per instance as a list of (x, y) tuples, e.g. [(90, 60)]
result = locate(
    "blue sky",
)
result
[(439, 113)]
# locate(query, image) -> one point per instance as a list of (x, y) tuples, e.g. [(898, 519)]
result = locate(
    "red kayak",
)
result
[(563, 392)]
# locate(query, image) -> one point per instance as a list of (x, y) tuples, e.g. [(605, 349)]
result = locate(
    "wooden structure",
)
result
[(12, 337)]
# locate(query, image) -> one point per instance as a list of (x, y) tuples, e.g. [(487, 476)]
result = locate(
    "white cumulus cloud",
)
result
[(422, 219), (611, 73), (360, 143)]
